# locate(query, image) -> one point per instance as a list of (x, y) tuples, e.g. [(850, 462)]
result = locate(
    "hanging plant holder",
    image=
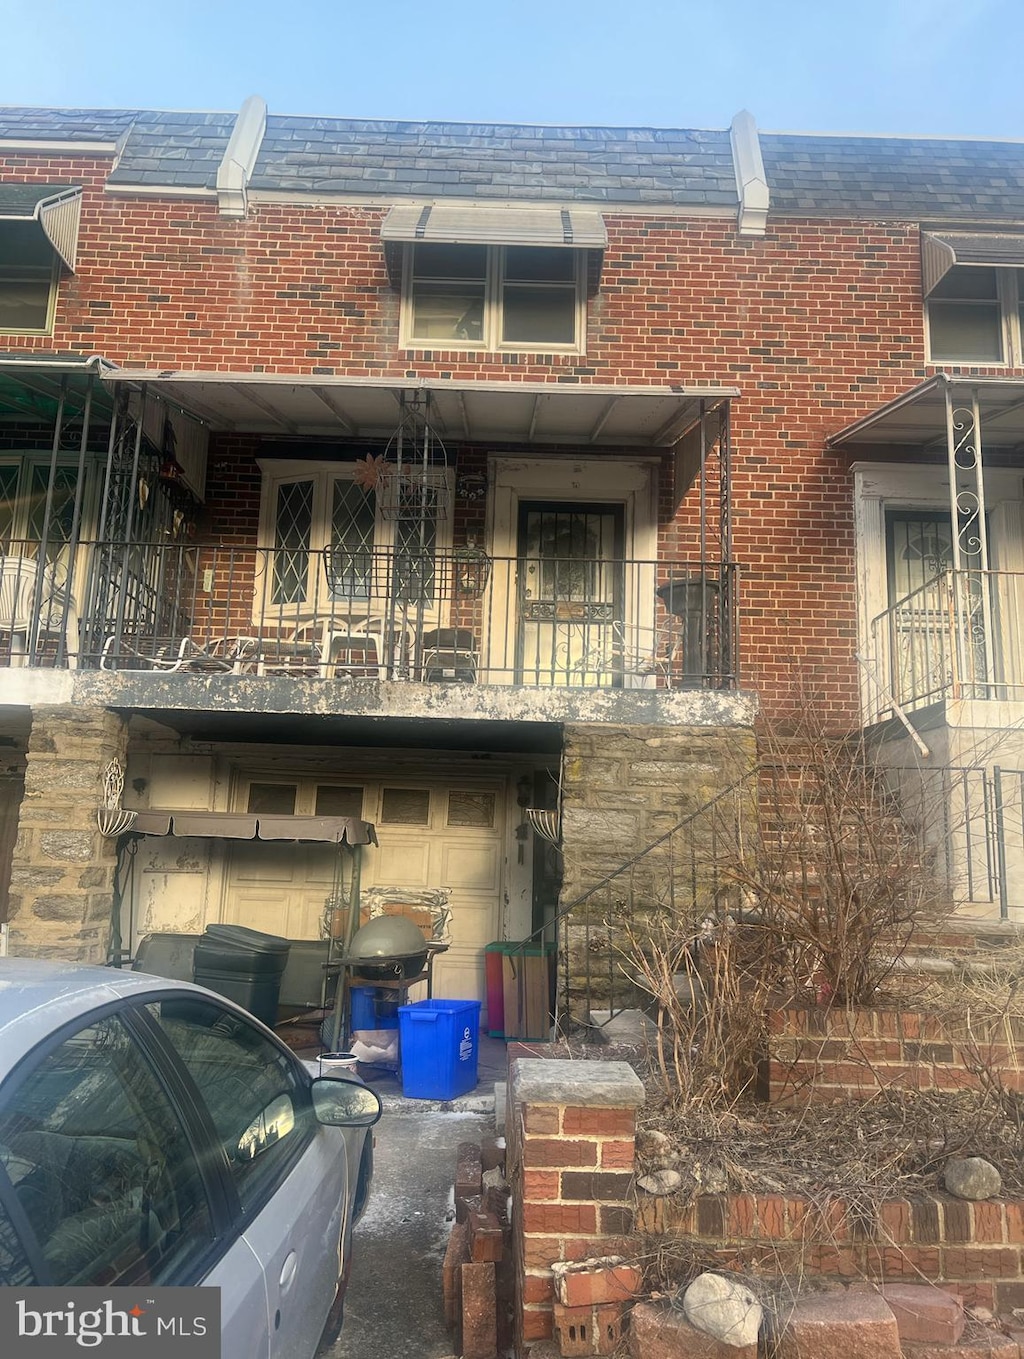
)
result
[(112, 819), (412, 474), (547, 824)]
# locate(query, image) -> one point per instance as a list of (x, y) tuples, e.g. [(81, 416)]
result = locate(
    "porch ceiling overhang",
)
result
[(244, 826), (917, 419), (57, 209), (516, 412), (31, 385)]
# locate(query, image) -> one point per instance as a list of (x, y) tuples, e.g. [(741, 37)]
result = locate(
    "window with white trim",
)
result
[(974, 316), (334, 543), (493, 297), (28, 280)]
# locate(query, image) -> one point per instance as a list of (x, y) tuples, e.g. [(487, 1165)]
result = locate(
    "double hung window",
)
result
[(493, 297), (28, 280), (974, 316)]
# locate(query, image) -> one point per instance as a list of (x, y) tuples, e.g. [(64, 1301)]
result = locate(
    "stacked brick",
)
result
[(571, 1128), (972, 1250), (477, 1262), (906, 1321)]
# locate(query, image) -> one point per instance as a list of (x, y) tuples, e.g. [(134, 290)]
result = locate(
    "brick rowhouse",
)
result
[(817, 323)]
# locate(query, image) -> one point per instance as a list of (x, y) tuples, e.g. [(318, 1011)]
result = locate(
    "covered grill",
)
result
[(390, 947)]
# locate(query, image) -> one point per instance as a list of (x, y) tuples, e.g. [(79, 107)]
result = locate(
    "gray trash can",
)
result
[(244, 965)]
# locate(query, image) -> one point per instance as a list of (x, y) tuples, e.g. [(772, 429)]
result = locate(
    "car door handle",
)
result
[(288, 1271)]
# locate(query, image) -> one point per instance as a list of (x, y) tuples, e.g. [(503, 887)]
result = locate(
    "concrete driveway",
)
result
[(395, 1307)]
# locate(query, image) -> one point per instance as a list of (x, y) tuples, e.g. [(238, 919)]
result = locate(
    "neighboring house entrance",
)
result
[(432, 835), (570, 606)]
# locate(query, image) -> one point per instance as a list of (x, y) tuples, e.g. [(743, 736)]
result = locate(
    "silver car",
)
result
[(152, 1132)]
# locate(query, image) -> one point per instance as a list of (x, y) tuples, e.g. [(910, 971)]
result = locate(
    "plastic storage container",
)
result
[(167, 955), (495, 984), (440, 1045), (244, 965), (373, 1007)]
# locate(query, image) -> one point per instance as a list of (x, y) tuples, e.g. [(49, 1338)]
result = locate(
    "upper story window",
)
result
[(28, 281), (493, 297), (38, 235), (974, 316)]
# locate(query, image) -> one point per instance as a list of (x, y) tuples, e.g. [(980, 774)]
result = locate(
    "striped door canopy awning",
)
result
[(56, 208), (331, 830), (942, 250), (469, 224)]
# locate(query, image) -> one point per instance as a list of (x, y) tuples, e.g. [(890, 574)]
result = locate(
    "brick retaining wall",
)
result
[(817, 1055), (971, 1249)]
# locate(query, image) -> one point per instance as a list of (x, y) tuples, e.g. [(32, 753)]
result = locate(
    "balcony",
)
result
[(956, 637), (417, 617)]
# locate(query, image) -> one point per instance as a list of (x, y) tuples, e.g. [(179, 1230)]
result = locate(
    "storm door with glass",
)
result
[(938, 626), (570, 594)]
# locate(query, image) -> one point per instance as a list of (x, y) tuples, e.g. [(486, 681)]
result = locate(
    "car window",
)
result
[(255, 1096), (15, 1270), (101, 1164)]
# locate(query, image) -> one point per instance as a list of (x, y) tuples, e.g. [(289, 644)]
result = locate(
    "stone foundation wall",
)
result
[(62, 874), (623, 789)]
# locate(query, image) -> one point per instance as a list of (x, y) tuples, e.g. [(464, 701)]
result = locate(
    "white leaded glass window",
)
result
[(335, 547)]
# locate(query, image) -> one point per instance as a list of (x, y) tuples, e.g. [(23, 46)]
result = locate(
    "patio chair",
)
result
[(23, 615), (175, 653)]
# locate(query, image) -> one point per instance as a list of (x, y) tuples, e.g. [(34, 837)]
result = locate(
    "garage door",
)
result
[(431, 834)]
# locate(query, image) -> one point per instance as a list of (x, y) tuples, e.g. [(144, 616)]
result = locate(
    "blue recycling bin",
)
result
[(440, 1047)]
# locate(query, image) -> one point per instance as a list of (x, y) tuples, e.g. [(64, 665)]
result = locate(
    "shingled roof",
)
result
[(180, 149), (496, 161), (64, 125), (808, 174), (898, 177)]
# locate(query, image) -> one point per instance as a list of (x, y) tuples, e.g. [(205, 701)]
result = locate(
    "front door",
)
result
[(941, 623), (570, 598)]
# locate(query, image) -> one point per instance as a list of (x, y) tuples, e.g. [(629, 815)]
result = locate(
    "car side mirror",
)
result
[(345, 1104)]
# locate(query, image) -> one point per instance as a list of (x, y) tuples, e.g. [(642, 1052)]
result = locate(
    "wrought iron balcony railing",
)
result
[(422, 616), (957, 636)]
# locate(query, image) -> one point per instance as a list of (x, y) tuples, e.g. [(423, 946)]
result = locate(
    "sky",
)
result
[(931, 67)]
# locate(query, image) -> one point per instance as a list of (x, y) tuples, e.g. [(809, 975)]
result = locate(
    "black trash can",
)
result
[(244, 965)]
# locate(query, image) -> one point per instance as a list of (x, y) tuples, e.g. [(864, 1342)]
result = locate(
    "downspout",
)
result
[(751, 181), (239, 160)]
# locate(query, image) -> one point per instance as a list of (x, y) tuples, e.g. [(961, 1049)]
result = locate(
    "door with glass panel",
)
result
[(941, 622), (570, 594)]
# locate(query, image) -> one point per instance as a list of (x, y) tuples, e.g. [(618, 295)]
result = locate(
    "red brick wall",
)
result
[(817, 1055), (817, 323), (971, 1249)]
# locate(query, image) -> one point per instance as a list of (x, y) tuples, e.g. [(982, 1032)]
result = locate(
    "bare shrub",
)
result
[(710, 1005), (838, 880)]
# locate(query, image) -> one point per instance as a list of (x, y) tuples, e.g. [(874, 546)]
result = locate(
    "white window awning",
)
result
[(574, 228), (56, 208), (943, 250)]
